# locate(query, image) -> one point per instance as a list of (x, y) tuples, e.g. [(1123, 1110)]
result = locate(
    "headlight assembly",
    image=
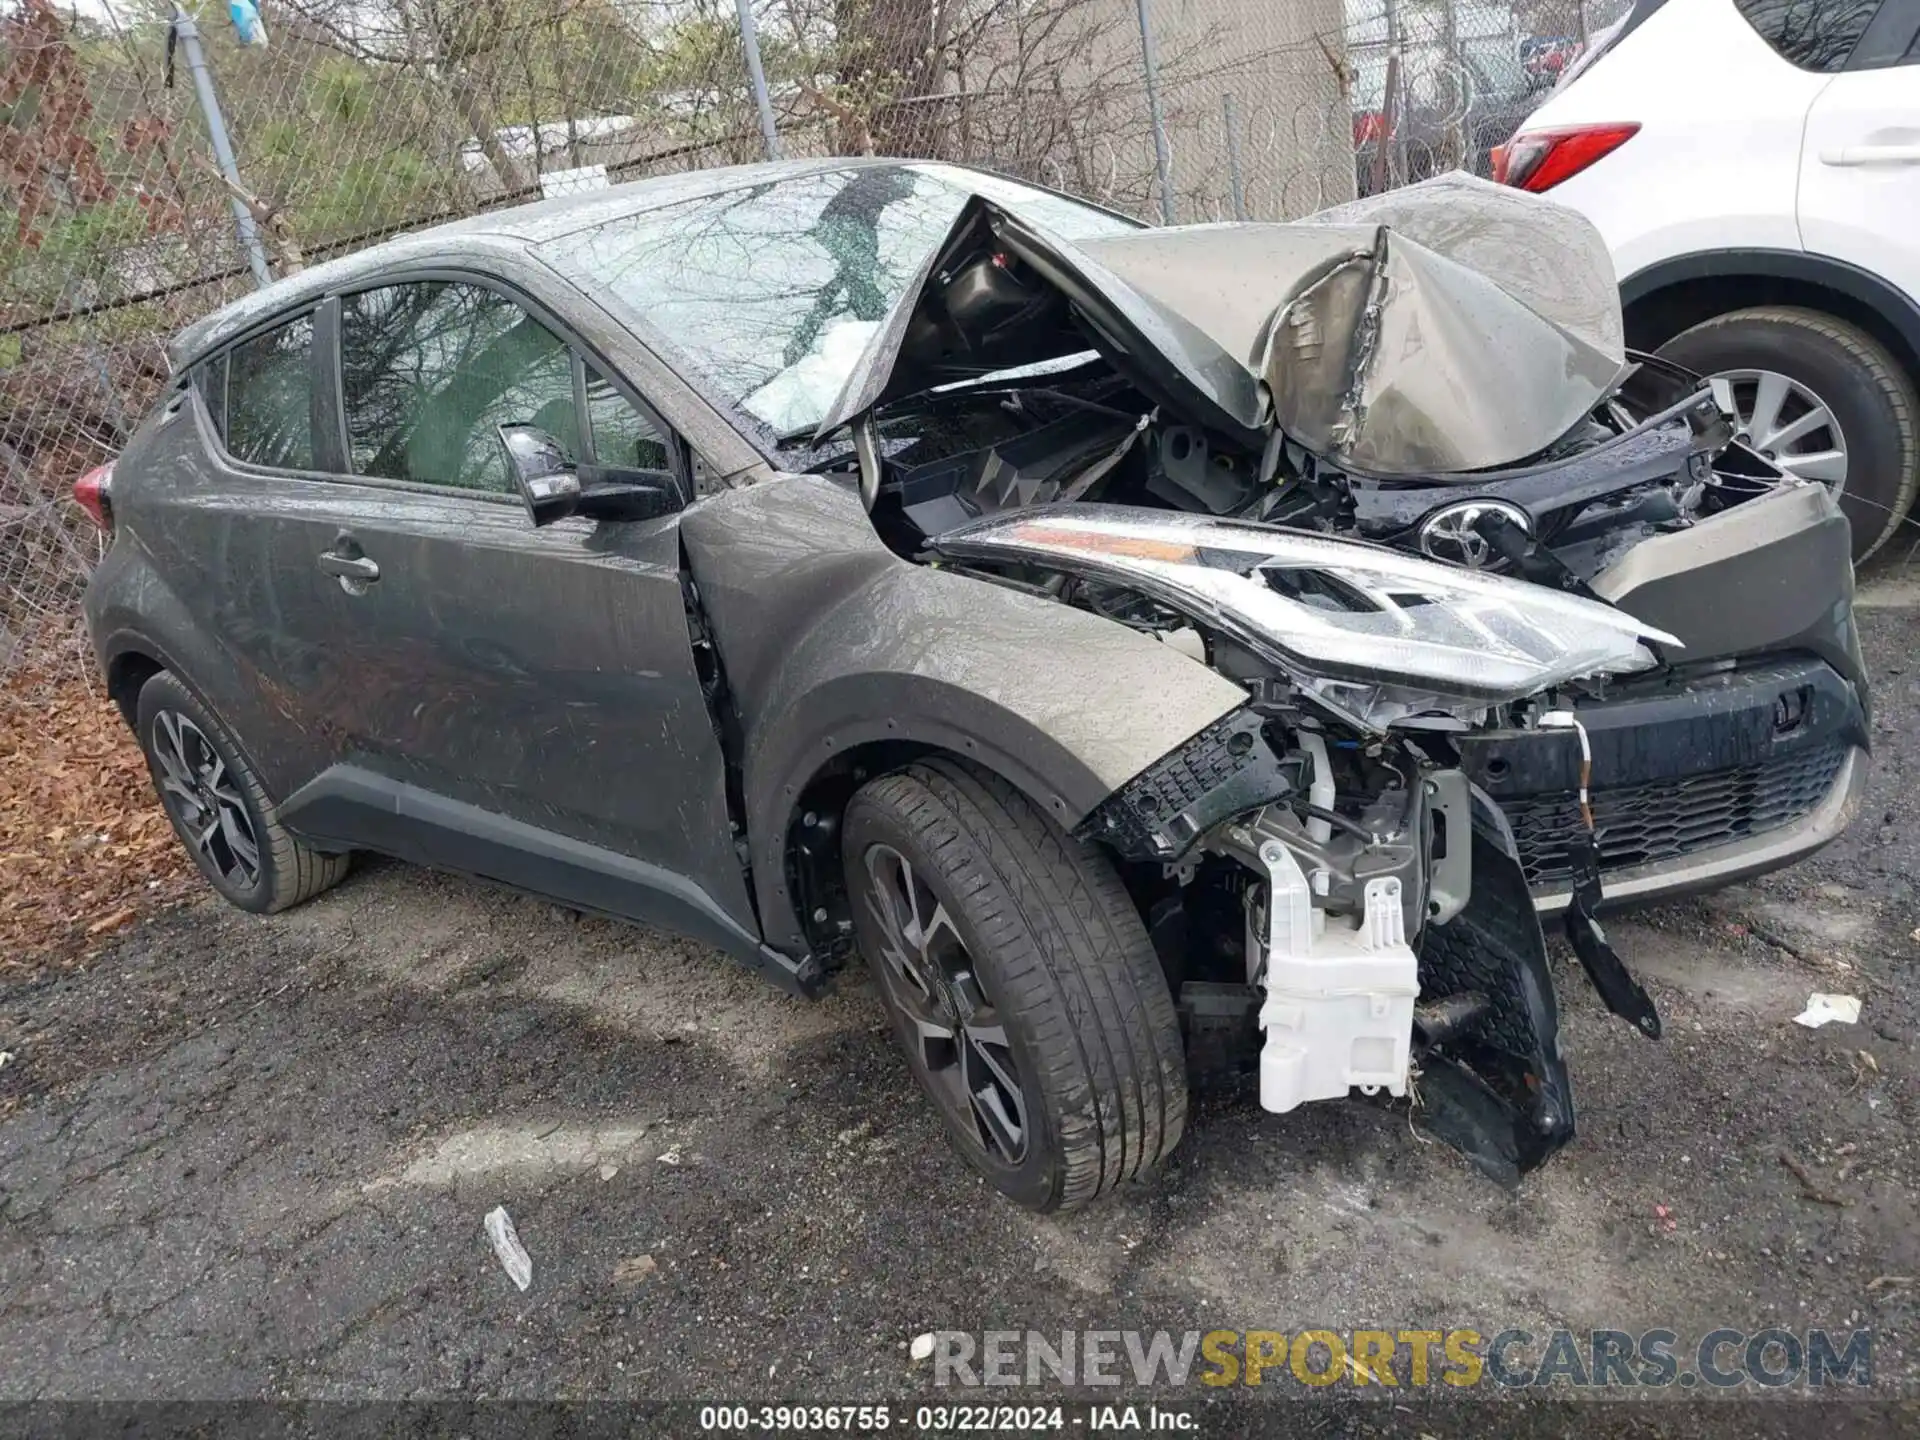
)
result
[(1376, 635)]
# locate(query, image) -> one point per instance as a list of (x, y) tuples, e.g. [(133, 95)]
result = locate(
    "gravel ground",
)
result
[(250, 1158)]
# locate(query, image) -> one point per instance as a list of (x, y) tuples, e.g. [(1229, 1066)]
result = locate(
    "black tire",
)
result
[(1058, 950), (1868, 392), (285, 872)]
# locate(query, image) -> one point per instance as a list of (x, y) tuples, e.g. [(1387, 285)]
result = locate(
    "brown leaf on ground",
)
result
[(84, 845), (114, 921)]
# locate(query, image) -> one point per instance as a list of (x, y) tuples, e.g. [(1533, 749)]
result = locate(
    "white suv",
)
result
[(1755, 168)]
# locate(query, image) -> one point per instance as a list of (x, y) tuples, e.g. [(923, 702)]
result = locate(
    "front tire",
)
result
[(1020, 982), (1781, 365), (219, 809)]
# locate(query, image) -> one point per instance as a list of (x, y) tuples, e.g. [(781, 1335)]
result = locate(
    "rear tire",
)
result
[(219, 809), (1026, 937), (1864, 387)]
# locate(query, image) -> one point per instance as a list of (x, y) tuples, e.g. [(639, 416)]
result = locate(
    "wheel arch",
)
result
[(130, 658), (127, 672), (1680, 292), (815, 883), (796, 797)]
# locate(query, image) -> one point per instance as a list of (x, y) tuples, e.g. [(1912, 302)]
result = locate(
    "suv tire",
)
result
[(1019, 980), (219, 809), (1861, 384)]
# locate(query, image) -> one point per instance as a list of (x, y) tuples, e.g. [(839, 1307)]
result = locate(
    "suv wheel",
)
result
[(1020, 982), (218, 808), (1821, 399)]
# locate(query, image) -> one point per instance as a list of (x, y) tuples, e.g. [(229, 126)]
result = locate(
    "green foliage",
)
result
[(341, 91)]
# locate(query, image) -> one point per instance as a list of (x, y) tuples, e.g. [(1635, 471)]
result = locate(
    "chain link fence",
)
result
[(157, 161)]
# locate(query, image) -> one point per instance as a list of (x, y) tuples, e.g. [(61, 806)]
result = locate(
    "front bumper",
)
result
[(1713, 866), (1696, 783)]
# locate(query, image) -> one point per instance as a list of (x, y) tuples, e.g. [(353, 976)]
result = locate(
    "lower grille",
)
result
[(1668, 819)]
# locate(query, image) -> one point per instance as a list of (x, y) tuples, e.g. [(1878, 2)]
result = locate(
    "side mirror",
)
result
[(543, 473), (553, 487), (611, 493)]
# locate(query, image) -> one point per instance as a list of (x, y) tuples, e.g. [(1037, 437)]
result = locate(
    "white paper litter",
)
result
[(1821, 1009), (506, 1244)]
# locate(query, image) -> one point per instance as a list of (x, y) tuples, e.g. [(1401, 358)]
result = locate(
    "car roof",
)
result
[(517, 226)]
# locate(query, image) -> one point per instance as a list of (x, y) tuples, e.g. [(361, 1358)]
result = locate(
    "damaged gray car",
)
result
[(1154, 652)]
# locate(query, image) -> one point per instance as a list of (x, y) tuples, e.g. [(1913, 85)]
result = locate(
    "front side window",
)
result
[(269, 394), (1815, 35), (622, 436), (768, 295), (210, 379), (430, 370)]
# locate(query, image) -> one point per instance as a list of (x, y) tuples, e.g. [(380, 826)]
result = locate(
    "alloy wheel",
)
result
[(1786, 422), (957, 1031), (202, 796)]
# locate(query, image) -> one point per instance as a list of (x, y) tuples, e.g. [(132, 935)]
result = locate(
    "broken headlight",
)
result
[(1373, 634)]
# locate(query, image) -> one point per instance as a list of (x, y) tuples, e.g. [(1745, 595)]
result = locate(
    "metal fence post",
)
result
[(1233, 158), (1395, 140), (189, 34), (1162, 162), (750, 42)]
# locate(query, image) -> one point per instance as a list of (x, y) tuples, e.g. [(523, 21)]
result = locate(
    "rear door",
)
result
[(1860, 166), (220, 495), (541, 678)]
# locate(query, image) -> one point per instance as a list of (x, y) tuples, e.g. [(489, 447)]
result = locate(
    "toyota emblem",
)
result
[(1452, 534)]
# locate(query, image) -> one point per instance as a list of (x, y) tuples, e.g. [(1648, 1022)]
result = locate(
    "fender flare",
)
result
[(1895, 307)]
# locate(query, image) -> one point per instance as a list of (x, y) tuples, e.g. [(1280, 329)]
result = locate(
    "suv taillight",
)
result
[(1538, 160), (94, 491)]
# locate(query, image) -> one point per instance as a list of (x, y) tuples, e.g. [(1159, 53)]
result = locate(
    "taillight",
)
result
[(1538, 160), (94, 491)]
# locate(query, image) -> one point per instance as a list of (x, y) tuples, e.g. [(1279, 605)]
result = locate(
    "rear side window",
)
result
[(429, 371), (269, 398), (1815, 35)]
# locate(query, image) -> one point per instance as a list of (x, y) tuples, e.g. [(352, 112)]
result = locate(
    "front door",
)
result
[(543, 677)]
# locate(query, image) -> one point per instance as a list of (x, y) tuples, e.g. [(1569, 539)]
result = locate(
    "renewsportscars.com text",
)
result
[(1458, 1358)]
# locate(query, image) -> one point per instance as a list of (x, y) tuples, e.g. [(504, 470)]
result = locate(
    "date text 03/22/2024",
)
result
[(944, 1419)]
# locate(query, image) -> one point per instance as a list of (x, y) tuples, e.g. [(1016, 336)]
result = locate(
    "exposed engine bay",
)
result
[(1335, 904), (1655, 459)]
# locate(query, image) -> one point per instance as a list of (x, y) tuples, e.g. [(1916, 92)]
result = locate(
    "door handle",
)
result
[(349, 564), (1851, 155)]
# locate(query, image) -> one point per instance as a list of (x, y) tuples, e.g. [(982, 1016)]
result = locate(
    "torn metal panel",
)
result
[(1436, 347), (999, 293), (1548, 256), (1405, 362)]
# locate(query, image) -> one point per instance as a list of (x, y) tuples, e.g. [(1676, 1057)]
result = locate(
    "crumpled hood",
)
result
[(1454, 325)]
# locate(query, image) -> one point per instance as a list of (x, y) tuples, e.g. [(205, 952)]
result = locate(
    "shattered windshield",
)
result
[(766, 295)]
